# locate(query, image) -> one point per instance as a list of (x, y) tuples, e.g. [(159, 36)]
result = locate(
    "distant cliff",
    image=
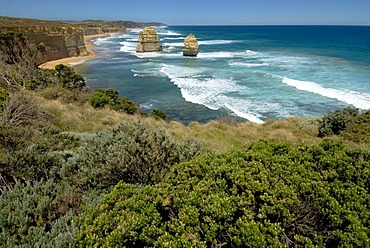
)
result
[(56, 40)]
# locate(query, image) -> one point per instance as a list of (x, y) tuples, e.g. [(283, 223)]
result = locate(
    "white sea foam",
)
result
[(148, 72), (210, 92), (250, 52), (215, 42), (215, 55), (173, 44), (128, 36), (77, 62), (357, 99), (168, 32), (148, 55), (246, 114), (205, 42), (128, 47), (174, 38), (247, 64), (101, 41), (134, 30)]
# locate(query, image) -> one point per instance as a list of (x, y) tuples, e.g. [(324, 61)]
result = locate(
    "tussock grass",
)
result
[(218, 136)]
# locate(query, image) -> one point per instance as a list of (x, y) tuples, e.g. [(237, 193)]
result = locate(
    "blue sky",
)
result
[(190, 12)]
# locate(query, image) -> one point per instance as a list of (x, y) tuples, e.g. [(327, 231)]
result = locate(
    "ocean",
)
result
[(251, 72)]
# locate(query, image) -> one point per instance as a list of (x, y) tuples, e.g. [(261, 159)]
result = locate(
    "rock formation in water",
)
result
[(190, 46), (148, 41)]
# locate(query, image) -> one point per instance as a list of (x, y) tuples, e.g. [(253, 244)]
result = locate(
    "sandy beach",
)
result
[(67, 61)]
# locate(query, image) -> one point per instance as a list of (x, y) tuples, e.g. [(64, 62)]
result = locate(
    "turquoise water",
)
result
[(253, 72)]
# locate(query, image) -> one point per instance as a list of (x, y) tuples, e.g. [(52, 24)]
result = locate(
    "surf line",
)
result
[(357, 99)]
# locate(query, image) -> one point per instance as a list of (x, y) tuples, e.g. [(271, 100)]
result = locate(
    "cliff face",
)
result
[(148, 41), (54, 40), (92, 27), (57, 42)]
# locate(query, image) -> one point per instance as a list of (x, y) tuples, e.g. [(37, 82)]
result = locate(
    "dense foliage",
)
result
[(4, 96), (37, 216), (42, 183), (102, 98), (359, 129), (271, 194), (127, 152), (158, 114), (335, 123)]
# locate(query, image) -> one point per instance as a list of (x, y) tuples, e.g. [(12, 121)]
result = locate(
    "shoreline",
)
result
[(77, 59)]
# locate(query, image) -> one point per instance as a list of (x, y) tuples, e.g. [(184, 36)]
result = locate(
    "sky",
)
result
[(197, 12)]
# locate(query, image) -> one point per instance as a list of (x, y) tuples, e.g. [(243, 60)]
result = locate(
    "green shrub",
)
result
[(4, 96), (41, 47), (160, 115), (359, 129), (127, 152), (128, 106), (270, 195), (100, 99), (37, 215), (335, 123), (68, 78)]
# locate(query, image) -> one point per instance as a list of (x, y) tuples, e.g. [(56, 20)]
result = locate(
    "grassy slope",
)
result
[(218, 136)]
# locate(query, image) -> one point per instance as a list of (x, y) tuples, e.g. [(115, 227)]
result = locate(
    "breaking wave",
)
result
[(357, 99), (210, 92)]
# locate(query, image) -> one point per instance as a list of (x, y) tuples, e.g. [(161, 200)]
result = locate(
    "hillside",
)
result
[(87, 168)]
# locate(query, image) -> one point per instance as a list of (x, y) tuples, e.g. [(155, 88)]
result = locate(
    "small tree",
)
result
[(158, 114), (99, 99), (335, 123), (69, 78)]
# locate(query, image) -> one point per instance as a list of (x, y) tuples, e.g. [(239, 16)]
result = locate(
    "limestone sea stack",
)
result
[(190, 46), (148, 41)]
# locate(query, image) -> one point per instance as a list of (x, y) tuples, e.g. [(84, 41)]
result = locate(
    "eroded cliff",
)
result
[(54, 40)]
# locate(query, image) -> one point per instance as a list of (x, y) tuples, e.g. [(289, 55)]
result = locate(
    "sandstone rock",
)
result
[(190, 46), (148, 41), (59, 41)]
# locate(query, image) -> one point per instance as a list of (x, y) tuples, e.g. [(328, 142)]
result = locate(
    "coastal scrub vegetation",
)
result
[(85, 168)]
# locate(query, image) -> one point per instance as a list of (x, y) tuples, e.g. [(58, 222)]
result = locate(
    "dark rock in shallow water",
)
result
[(190, 46), (148, 41)]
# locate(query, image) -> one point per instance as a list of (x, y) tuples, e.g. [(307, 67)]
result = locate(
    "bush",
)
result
[(68, 78), (99, 99), (159, 115), (20, 108), (4, 96), (335, 123), (37, 215), (359, 129), (270, 195), (127, 106), (127, 152)]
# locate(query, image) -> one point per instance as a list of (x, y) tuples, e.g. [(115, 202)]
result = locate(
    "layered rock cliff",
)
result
[(190, 46), (148, 41), (93, 27), (55, 40)]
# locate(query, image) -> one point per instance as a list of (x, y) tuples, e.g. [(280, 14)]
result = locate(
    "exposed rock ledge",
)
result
[(190, 46), (148, 41)]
